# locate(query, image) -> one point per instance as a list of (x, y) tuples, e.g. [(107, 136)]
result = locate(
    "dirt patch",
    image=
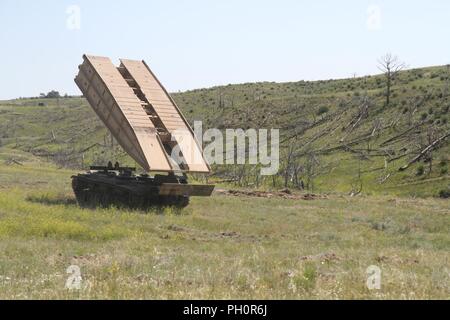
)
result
[(230, 234), (175, 228), (396, 259), (322, 257), (284, 194)]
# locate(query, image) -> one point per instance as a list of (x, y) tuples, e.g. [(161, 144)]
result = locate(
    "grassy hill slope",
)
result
[(337, 135)]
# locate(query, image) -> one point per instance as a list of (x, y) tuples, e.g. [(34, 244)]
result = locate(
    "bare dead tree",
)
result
[(390, 65), (431, 136), (292, 166), (357, 184), (413, 105), (288, 166), (310, 170), (361, 114), (298, 183)]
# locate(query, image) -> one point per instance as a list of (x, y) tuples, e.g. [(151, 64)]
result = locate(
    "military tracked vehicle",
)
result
[(146, 122)]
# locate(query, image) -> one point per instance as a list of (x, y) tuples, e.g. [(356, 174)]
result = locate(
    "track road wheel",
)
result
[(82, 191), (176, 201), (136, 201)]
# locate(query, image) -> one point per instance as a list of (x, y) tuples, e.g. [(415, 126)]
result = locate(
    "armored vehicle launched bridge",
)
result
[(146, 122)]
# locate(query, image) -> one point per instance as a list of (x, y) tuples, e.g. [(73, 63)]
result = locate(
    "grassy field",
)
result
[(336, 135), (218, 247)]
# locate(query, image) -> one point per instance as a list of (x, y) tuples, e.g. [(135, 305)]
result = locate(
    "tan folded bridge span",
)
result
[(140, 114)]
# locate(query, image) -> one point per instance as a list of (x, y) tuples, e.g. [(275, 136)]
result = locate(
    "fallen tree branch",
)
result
[(400, 135), (11, 161), (383, 180), (424, 151), (346, 147)]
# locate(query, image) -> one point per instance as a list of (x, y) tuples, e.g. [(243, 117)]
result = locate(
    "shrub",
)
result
[(322, 110), (307, 279), (420, 170), (444, 194), (53, 94)]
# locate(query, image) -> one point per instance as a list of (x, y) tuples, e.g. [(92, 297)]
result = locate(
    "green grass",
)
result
[(218, 247)]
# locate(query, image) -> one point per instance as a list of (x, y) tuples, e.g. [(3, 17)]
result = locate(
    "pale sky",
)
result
[(202, 43)]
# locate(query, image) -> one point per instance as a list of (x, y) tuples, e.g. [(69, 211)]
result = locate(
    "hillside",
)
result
[(337, 135)]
